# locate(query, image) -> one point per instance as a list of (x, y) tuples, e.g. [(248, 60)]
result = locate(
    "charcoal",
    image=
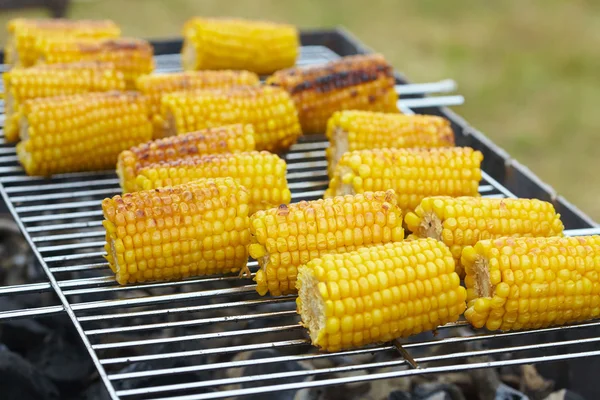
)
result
[(96, 391), (400, 395), (437, 391), (21, 380), (564, 394), (21, 334), (505, 392)]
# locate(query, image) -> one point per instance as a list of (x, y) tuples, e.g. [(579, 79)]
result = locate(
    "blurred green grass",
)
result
[(529, 70)]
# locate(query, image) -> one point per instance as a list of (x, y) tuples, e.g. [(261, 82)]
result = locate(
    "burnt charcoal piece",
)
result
[(400, 395), (96, 391), (20, 380), (21, 334), (505, 392), (437, 391)]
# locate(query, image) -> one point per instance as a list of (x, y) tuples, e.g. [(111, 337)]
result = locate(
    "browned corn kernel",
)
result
[(157, 85), (226, 43), (463, 221), (351, 83), (270, 110), (226, 139), (200, 228), (378, 293), (262, 173), (532, 283), (133, 57), (21, 84), (25, 34), (359, 130), (413, 173), (82, 132), (288, 236)]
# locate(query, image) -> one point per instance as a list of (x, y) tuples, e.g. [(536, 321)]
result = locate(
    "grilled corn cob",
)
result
[(21, 84), (24, 34), (463, 221), (413, 173), (257, 46), (80, 132), (156, 85), (131, 56), (262, 173), (358, 130), (531, 283), (289, 236), (200, 228), (378, 293), (352, 83), (226, 139), (270, 110)]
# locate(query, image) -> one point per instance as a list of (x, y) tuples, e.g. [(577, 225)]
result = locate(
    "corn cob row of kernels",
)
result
[(226, 139), (288, 236)]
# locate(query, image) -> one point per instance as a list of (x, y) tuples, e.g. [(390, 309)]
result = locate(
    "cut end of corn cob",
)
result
[(413, 173), (364, 82), (379, 293), (358, 130), (226, 139), (463, 221), (263, 173), (226, 43), (200, 228), (288, 236), (532, 283), (270, 110)]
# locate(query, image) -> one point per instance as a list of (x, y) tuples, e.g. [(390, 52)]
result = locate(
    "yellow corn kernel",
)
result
[(389, 315), (207, 211), (82, 132), (364, 82), (359, 130), (270, 110), (262, 173), (226, 43), (292, 235), (414, 173), (562, 290), (226, 139), (463, 221)]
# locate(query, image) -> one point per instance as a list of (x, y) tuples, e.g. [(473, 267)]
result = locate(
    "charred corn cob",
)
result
[(200, 228), (289, 236), (358, 130), (154, 86), (262, 173), (227, 139), (378, 293), (21, 84), (24, 36), (257, 46), (463, 221), (80, 132), (413, 173), (352, 83), (531, 283), (133, 57), (270, 110)]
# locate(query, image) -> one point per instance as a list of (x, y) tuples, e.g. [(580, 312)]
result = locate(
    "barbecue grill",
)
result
[(214, 321)]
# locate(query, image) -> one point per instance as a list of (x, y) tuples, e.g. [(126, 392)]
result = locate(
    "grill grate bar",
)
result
[(30, 312)]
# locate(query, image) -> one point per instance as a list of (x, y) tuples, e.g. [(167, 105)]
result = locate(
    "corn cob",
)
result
[(378, 293), (80, 132), (413, 173), (289, 236), (200, 228), (21, 84), (257, 46), (270, 110), (531, 283), (133, 57), (227, 139), (352, 83), (154, 86), (463, 221), (262, 173), (24, 34), (358, 130)]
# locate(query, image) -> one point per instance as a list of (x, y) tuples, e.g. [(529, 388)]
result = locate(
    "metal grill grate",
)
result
[(210, 324)]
